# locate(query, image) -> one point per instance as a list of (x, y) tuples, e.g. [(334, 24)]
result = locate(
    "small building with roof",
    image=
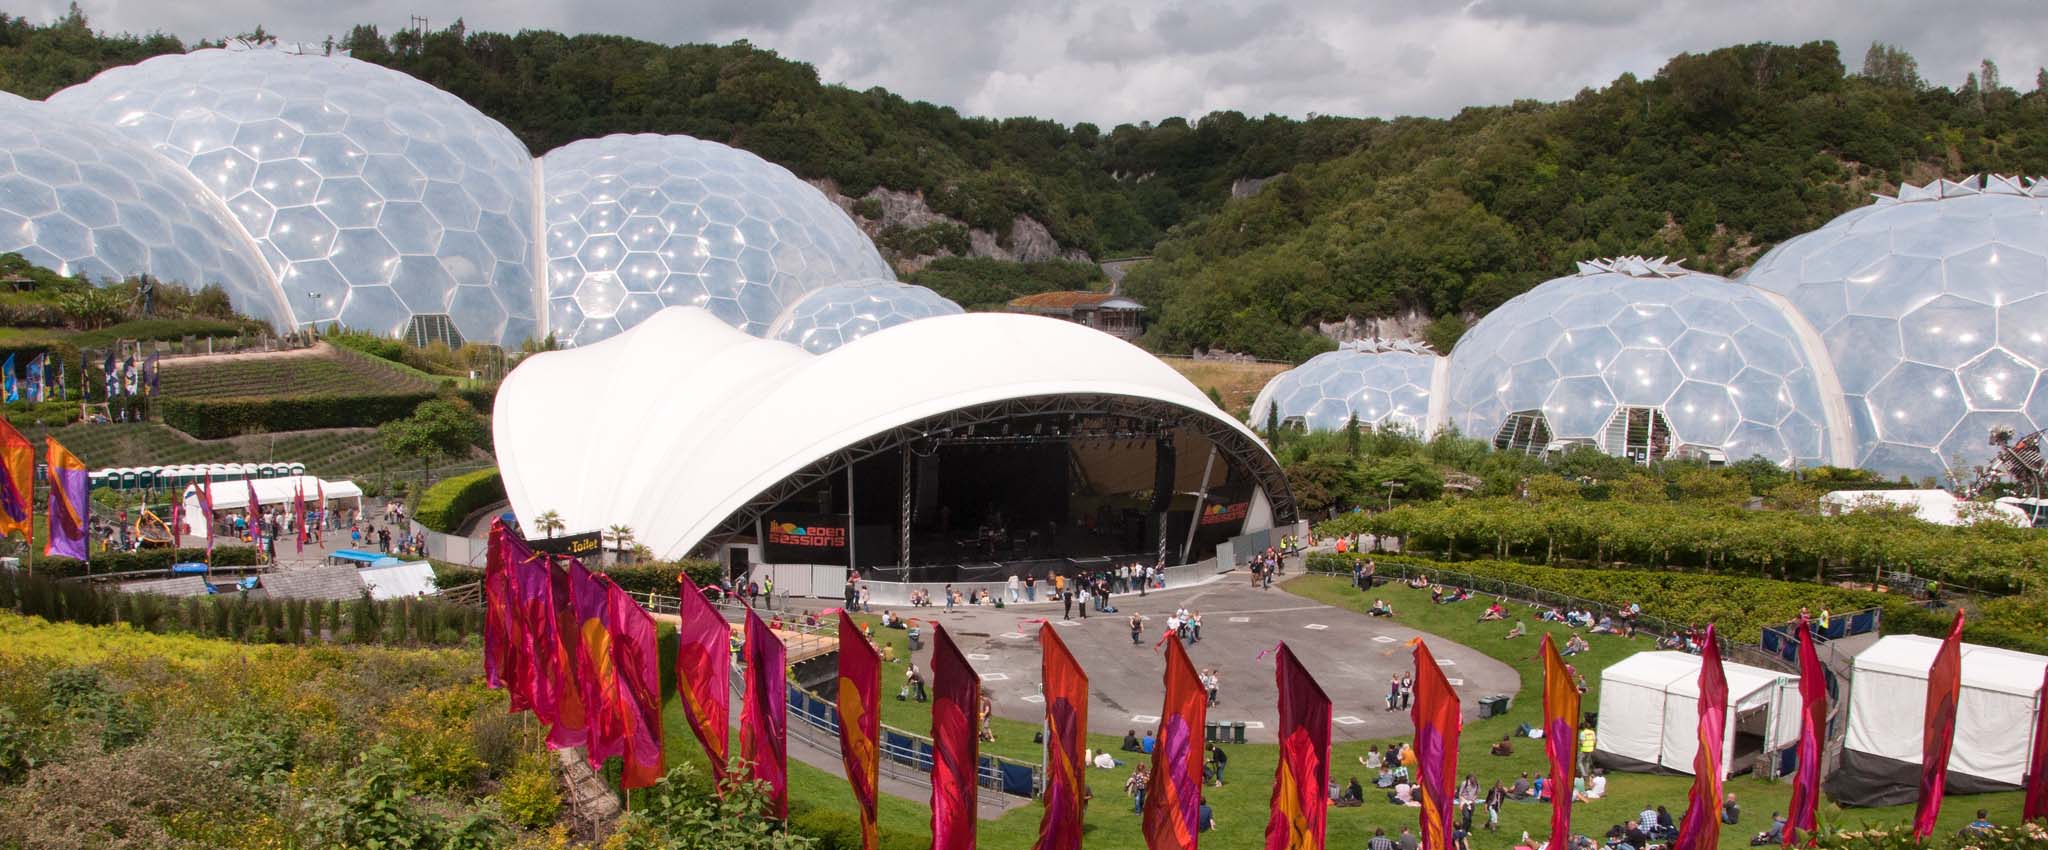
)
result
[(1108, 312)]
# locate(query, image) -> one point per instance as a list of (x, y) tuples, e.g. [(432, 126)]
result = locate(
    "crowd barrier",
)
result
[(1783, 640)]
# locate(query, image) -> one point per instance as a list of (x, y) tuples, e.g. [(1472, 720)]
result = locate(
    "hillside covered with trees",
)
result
[(1714, 158)]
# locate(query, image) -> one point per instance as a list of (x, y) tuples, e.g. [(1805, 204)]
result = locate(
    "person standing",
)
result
[(1031, 587), (1219, 760), (1084, 600), (1393, 692), (1016, 586), (916, 681), (1587, 740), (1407, 690), (1066, 604), (1137, 630), (1195, 628), (949, 597)]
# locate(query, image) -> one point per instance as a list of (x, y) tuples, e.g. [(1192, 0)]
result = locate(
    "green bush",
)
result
[(444, 505), (660, 576), (527, 795)]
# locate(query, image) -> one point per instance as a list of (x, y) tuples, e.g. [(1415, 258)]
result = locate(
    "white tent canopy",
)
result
[(1994, 714), (229, 499), (1649, 709), (1936, 506), (399, 580)]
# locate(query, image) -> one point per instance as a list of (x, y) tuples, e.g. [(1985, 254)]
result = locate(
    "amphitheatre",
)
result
[(387, 468)]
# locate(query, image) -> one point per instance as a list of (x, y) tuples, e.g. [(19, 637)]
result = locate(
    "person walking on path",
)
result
[(1066, 604), (1137, 630)]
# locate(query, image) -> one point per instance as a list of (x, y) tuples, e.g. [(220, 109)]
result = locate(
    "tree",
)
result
[(1889, 65), (549, 523), (1351, 436), (621, 537), (440, 427), (1273, 426)]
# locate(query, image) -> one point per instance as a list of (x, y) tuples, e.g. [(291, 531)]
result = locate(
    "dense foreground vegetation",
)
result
[(111, 737)]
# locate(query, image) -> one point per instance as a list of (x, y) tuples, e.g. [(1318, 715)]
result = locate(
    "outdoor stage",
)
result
[(1351, 655)]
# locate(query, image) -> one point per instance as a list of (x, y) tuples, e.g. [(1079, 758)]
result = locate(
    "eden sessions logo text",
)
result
[(816, 536), (1232, 512)]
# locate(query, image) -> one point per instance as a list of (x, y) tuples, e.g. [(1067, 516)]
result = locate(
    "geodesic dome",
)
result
[(1646, 359), (83, 201), (836, 315), (636, 223), (1932, 307), (1379, 381), (374, 197)]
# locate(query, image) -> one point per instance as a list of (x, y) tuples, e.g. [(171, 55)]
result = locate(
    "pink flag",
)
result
[(1944, 688), (299, 515), (1701, 829), (206, 511), (704, 673), (764, 713), (1813, 729), (637, 658), (2036, 805), (255, 515)]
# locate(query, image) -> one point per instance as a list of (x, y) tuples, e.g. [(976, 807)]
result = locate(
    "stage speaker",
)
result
[(1162, 476), (737, 566)]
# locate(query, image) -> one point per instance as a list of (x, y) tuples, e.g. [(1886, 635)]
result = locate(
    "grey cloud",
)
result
[(1132, 60)]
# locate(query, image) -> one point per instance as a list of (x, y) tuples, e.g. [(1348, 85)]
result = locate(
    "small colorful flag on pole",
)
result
[(70, 508), (1300, 784), (704, 674), (1813, 729), (764, 712), (956, 756), (1066, 742), (1437, 724), (17, 482), (1173, 799), (1560, 721)]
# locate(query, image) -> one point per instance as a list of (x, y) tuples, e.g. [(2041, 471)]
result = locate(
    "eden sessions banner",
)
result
[(1218, 514), (587, 545), (805, 539)]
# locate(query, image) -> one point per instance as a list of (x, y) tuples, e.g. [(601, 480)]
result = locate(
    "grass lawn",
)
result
[(1242, 805)]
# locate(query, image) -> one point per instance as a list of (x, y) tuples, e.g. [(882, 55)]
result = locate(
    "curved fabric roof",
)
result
[(678, 422)]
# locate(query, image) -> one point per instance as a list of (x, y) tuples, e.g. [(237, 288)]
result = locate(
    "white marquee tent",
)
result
[(1936, 506), (1887, 715), (233, 498), (1649, 712)]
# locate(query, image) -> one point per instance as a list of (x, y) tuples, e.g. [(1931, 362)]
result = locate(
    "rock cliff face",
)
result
[(1407, 325), (1028, 241)]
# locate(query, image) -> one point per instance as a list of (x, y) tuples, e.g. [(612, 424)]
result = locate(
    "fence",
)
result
[(1783, 640), (1740, 652)]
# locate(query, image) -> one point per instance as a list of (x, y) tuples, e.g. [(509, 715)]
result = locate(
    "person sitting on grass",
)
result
[(1605, 626), (1385, 779), (1574, 646), (1436, 594), (1380, 608), (1504, 747), (1497, 611), (1354, 793), (1520, 628), (1419, 582), (1131, 744), (1521, 790), (1597, 788), (1371, 759)]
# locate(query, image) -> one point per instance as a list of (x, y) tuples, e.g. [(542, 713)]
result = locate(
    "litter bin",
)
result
[(1237, 732), (1494, 706), (1210, 731)]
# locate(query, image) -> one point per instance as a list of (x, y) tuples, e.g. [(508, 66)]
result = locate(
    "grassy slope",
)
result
[(1241, 806), (1238, 383), (329, 371)]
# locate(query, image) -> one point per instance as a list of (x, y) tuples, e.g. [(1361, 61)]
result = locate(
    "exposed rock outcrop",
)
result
[(1028, 240), (1405, 325)]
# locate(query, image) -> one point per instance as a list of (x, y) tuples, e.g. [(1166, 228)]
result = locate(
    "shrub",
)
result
[(660, 576), (445, 505), (528, 795)]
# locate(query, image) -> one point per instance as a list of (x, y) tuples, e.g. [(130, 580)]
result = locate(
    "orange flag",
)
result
[(1173, 800), (1437, 724), (860, 723), (1300, 785), (1560, 725), (1066, 740)]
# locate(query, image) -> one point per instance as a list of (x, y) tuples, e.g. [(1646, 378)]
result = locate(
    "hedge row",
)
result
[(656, 577), (1989, 557), (444, 505), (214, 418), (146, 559), (1739, 606), (405, 621)]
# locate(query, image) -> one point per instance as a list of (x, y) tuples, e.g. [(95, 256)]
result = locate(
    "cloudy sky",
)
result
[(1144, 59)]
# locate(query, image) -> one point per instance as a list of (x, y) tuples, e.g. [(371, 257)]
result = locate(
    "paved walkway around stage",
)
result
[(1351, 655)]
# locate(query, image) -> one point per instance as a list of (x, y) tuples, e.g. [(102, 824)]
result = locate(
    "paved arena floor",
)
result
[(1351, 655)]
